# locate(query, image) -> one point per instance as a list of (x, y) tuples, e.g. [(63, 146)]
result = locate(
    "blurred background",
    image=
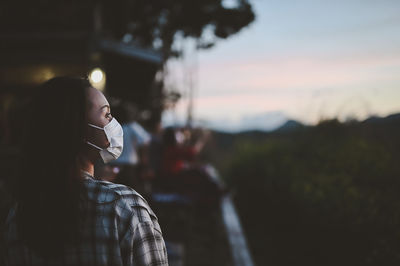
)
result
[(265, 132)]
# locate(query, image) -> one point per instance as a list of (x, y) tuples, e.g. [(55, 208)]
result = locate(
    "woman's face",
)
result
[(99, 114)]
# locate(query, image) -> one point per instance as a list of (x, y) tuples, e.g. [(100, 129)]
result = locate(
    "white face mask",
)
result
[(114, 134)]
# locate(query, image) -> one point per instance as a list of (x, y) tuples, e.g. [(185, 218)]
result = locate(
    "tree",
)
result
[(152, 23), (155, 23)]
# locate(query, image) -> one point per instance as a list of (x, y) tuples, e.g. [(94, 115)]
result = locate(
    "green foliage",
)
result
[(327, 195), (152, 23)]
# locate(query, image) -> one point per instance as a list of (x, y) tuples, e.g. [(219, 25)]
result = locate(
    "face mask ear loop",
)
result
[(95, 146), (95, 126)]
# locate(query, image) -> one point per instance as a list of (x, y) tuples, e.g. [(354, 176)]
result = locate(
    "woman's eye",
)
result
[(108, 115)]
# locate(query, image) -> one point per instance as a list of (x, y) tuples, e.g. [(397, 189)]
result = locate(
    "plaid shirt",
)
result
[(121, 230)]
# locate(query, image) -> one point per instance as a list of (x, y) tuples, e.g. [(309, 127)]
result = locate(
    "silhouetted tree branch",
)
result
[(151, 23)]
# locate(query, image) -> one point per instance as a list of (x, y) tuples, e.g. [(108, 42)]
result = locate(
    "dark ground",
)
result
[(199, 230)]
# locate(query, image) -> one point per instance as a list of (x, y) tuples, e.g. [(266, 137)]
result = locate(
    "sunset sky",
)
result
[(309, 60)]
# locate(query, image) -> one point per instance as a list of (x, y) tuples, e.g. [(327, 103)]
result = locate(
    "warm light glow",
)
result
[(97, 75), (97, 78)]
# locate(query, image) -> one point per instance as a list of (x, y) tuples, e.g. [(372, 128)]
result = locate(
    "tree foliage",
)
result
[(152, 23), (326, 195), (156, 23)]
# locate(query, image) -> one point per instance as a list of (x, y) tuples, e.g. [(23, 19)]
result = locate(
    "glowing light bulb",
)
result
[(96, 76)]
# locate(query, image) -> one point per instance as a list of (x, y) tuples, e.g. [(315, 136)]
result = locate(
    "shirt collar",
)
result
[(86, 175)]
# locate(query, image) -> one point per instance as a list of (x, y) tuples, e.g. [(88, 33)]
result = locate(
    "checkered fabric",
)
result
[(121, 229)]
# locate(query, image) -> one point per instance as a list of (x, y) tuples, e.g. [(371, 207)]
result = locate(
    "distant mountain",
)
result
[(260, 122), (382, 120), (264, 122), (290, 125)]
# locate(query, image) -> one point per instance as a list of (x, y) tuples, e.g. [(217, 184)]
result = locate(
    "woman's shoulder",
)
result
[(107, 192), (121, 196)]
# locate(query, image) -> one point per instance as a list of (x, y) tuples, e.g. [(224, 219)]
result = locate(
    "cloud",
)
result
[(296, 73)]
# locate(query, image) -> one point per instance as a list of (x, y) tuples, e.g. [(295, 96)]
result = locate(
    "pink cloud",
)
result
[(294, 73)]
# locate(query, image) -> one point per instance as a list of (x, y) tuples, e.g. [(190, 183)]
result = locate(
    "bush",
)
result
[(327, 195)]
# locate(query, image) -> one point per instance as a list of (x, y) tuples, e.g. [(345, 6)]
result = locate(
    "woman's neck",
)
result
[(87, 165)]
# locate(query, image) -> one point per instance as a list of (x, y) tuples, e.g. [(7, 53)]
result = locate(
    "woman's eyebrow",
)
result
[(105, 106)]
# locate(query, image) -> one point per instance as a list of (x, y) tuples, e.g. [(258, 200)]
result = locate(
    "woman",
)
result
[(63, 216)]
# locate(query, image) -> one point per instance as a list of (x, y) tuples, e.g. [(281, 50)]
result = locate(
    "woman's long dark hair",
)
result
[(50, 186)]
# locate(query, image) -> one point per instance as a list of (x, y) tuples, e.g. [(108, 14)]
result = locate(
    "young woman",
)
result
[(63, 215)]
